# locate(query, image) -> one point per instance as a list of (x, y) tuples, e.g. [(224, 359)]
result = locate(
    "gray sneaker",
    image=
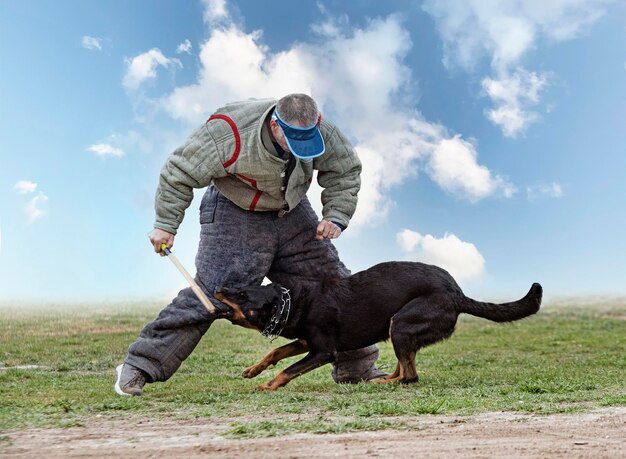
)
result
[(130, 380)]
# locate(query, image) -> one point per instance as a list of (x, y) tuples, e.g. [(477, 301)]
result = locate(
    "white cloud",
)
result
[(34, 208), (461, 259), (184, 47), (104, 149), (144, 67), (454, 167), (551, 190), (215, 11), (25, 186), (513, 95), (332, 26), (91, 42), (505, 31), (408, 240)]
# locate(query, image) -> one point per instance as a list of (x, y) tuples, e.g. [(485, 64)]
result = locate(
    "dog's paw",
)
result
[(383, 380), (266, 386), (252, 371)]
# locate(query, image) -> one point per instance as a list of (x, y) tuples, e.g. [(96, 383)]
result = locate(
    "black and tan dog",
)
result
[(413, 303)]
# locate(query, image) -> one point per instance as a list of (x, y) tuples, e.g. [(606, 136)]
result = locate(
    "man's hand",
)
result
[(157, 237), (327, 230)]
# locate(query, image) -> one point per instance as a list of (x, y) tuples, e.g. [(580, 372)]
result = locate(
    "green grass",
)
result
[(565, 359)]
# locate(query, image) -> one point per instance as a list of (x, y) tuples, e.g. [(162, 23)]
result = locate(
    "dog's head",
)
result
[(252, 307)]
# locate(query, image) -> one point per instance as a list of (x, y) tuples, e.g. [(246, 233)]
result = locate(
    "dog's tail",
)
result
[(505, 312)]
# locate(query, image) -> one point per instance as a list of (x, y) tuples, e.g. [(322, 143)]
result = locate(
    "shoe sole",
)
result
[(116, 386)]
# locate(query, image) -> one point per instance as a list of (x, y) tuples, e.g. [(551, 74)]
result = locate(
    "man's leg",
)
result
[(165, 342), (303, 259), (236, 249), (357, 365)]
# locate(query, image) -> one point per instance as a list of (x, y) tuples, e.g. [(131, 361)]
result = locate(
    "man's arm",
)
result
[(339, 174), (192, 165)]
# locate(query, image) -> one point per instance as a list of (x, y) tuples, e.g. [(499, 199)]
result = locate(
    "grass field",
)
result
[(565, 359)]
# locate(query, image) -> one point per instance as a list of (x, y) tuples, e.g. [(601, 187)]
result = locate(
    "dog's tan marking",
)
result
[(238, 317), (397, 375), (288, 350), (410, 372), (280, 380), (405, 372)]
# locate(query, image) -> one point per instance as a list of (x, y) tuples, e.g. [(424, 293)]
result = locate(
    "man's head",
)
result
[(295, 126)]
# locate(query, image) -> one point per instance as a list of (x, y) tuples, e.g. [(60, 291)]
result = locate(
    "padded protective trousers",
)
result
[(239, 248)]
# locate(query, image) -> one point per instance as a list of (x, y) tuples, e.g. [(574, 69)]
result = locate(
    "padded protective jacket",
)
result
[(229, 151)]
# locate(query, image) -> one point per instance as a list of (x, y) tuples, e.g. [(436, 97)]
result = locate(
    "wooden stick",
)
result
[(194, 286)]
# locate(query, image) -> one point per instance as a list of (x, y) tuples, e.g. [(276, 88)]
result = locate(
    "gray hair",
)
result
[(298, 109)]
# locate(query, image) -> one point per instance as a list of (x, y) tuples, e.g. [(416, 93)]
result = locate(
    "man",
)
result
[(257, 158)]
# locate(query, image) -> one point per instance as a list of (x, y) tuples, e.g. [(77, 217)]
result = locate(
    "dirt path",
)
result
[(598, 434)]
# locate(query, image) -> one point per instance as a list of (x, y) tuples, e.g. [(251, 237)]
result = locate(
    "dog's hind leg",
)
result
[(288, 350), (422, 321)]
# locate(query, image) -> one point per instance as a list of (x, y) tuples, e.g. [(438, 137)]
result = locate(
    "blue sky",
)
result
[(493, 137)]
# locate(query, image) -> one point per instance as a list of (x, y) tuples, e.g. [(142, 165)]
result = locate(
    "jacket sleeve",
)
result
[(339, 175), (190, 166)]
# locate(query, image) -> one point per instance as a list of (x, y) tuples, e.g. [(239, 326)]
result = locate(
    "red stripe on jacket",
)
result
[(258, 194), (235, 155), (249, 180), (256, 198), (233, 126)]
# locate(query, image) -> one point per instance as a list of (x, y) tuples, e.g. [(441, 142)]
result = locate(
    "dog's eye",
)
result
[(243, 295)]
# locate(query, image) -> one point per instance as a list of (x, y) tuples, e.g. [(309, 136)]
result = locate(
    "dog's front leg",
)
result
[(288, 350), (312, 361)]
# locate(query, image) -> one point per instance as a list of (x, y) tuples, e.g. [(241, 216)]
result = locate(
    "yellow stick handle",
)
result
[(194, 286)]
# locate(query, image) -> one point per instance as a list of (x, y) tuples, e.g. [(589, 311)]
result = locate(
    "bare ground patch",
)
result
[(597, 434)]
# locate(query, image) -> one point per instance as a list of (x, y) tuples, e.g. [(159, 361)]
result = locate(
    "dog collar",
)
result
[(278, 321)]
